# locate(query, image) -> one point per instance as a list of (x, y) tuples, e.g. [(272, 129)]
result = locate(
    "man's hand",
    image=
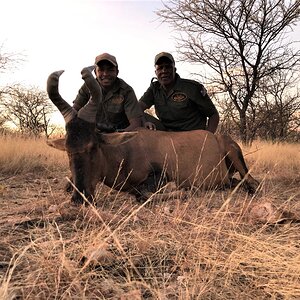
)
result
[(149, 125)]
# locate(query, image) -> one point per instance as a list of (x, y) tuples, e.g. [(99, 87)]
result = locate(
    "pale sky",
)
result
[(68, 34)]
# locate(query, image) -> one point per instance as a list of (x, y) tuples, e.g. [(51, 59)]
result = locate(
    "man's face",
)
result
[(165, 72), (106, 74)]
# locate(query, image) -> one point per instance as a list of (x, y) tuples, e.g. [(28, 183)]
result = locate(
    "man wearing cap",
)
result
[(180, 104), (119, 109)]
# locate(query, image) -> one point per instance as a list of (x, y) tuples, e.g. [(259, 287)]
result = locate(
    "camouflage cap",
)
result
[(164, 54), (108, 57)]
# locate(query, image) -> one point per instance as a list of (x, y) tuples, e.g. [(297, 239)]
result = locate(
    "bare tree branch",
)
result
[(28, 109), (244, 42)]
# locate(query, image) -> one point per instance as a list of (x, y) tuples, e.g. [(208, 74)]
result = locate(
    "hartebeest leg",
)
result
[(152, 184), (69, 185), (235, 163)]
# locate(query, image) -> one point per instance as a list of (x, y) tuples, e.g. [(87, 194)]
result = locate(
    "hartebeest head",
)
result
[(80, 141)]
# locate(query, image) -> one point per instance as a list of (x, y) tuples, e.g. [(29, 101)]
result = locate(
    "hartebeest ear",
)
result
[(59, 144), (117, 138)]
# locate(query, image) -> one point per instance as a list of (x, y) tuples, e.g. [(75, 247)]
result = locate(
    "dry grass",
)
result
[(276, 158), (22, 155), (207, 246)]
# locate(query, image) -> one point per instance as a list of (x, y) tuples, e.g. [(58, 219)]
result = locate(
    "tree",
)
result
[(243, 42), (2, 122), (5, 60), (280, 106), (28, 109), (273, 112), (8, 60)]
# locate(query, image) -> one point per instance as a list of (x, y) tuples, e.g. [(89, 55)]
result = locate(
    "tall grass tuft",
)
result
[(21, 155)]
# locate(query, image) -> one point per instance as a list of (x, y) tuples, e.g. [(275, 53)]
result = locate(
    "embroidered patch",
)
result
[(179, 97), (117, 100)]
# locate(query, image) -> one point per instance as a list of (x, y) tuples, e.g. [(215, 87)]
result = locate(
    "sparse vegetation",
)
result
[(205, 245), (27, 109), (248, 60), (21, 155)]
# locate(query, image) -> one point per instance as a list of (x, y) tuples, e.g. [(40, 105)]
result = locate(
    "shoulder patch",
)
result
[(179, 97), (118, 99)]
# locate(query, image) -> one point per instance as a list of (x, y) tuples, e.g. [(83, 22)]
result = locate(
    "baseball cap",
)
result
[(108, 57), (164, 54)]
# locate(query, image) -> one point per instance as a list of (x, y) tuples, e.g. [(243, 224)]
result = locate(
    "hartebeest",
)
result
[(138, 161)]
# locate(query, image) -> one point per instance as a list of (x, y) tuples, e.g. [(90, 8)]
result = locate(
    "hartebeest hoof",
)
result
[(250, 184), (69, 187)]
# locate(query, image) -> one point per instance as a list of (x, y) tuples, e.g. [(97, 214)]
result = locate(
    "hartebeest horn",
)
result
[(64, 107), (89, 111)]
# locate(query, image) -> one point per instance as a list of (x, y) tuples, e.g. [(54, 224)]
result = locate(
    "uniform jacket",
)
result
[(186, 107), (118, 106)]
